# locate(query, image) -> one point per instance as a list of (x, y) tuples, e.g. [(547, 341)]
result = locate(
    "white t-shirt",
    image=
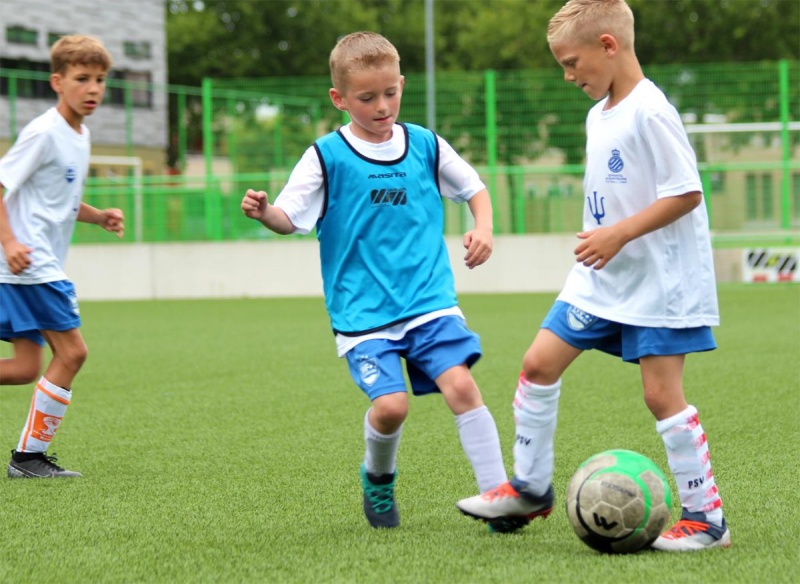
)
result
[(638, 152), (43, 175), (303, 197)]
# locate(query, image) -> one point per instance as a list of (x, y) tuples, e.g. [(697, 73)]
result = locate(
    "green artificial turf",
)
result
[(220, 442)]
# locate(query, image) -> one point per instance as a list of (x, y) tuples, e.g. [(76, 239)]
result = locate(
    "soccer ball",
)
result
[(618, 501)]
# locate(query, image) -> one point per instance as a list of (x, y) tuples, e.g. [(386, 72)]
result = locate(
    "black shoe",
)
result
[(379, 505), (28, 465)]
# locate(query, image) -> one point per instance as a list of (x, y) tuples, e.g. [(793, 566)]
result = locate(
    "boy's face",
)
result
[(586, 65), (80, 91), (372, 98)]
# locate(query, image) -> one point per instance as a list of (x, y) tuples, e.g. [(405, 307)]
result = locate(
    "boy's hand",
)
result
[(18, 256), (112, 220), (254, 204), (478, 243), (598, 247)]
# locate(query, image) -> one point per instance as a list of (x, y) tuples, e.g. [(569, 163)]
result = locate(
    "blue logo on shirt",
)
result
[(72, 174), (615, 163)]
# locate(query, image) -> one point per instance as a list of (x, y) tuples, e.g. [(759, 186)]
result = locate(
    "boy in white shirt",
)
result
[(41, 183), (643, 288)]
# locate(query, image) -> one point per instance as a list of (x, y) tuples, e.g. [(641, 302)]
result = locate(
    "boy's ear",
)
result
[(609, 43), (55, 82), (337, 99)]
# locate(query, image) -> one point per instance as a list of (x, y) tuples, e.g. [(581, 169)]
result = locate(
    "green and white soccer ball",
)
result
[(618, 501)]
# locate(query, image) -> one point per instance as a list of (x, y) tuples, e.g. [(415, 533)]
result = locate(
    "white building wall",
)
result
[(113, 22)]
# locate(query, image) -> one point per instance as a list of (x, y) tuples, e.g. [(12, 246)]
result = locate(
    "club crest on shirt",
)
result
[(369, 370), (615, 165), (579, 320), (71, 174)]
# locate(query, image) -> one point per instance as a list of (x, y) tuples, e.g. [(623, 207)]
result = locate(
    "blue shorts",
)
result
[(429, 350), (27, 309), (585, 331)]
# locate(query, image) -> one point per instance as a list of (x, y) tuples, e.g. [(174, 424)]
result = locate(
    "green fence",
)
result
[(523, 130)]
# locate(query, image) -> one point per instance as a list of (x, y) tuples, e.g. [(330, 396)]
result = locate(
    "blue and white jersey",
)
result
[(382, 249), (636, 153), (43, 175), (305, 200)]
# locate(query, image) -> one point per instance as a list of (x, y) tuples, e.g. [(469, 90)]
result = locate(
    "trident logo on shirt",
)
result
[(599, 209)]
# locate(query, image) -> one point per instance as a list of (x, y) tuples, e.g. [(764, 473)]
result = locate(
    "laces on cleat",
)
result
[(686, 528), (504, 490), (381, 497)]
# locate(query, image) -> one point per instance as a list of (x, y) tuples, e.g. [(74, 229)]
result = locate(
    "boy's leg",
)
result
[(50, 400), (477, 429), (375, 367), (26, 364), (379, 468), (529, 494), (702, 524), (439, 357)]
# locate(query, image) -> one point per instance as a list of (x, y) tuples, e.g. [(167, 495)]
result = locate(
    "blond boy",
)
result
[(643, 287), (373, 190)]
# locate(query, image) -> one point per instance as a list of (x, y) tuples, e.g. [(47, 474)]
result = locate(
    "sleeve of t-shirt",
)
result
[(458, 181), (23, 159), (304, 194), (675, 161)]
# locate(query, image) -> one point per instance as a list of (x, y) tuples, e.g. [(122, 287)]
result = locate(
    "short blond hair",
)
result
[(78, 49), (357, 51), (584, 21)]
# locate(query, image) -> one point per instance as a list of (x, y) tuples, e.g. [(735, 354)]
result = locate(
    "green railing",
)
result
[(523, 130)]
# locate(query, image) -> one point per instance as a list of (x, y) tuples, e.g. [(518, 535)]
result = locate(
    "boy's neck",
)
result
[(628, 77), (72, 118)]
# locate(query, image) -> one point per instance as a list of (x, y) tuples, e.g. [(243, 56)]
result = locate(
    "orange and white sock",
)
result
[(48, 407), (690, 462)]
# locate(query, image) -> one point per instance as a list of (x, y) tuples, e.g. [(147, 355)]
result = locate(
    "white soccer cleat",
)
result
[(506, 502), (693, 533)]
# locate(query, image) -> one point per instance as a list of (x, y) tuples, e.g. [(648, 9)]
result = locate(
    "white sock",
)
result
[(535, 413), (48, 407), (690, 462), (380, 457), (481, 444)]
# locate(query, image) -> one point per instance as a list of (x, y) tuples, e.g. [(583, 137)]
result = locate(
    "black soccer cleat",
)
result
[(36, 465)]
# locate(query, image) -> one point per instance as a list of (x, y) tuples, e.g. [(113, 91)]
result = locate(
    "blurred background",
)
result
[(207, 98)]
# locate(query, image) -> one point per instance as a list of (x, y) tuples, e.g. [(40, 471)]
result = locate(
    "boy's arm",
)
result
[(255, 205), (17, 254), (600, 245), (109, 219), (479, 241)]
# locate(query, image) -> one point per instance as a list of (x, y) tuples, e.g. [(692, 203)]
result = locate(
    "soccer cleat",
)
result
[(30, 465), (507, 508), (379, 504), (693, 532)]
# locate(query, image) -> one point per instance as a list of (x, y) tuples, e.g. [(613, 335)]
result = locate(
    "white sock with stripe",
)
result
[(48, 407), (481, 444), (690, 461)]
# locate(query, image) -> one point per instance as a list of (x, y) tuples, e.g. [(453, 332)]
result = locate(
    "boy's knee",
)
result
[(536, 371), (75, 355), (389, 413), (20, 371), (29, 372)]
